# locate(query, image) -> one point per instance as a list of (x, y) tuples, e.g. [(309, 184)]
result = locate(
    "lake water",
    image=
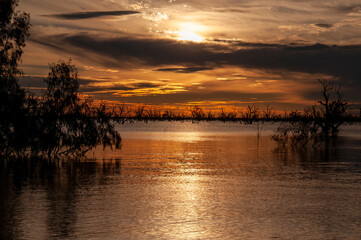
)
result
[(174, 180)]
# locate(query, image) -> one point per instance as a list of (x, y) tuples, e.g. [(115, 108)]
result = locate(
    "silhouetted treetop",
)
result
[(14, 29), (62, 87)]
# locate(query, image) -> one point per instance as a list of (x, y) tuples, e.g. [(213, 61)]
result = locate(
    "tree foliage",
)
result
[(14, 29), (71, 125)]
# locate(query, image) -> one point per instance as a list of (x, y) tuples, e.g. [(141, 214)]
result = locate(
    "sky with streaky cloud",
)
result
[(215, 54)]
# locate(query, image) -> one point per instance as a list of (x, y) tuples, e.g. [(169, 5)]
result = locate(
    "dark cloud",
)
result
[(288, 10), (145, 85), (154, 52), (184, 97), (337, 61), (240, 43), (90, 89), (313, 47), (184, 70), (86, 85), (348, 8), (353, 95), (84, 82), (120, 87), (323, 25), (31, 81), (38, 82), (86, 15), (230, 10)]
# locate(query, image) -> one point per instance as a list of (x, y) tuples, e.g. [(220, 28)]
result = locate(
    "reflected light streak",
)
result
[(190, 207), (190, 136)]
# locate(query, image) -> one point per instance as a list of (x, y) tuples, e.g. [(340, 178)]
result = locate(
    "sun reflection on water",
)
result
[(189, 208)]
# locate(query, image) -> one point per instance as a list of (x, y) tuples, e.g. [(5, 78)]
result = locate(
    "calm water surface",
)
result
[(189, 181)]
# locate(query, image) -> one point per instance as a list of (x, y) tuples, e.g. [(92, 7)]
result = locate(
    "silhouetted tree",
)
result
[(153, 113), (227, 116), (197, 113), (70, 125), (122, 113), (268, 114), (315, 125), (140, 111), (333, 110), (210, 115), (250, 114), (14, 29)]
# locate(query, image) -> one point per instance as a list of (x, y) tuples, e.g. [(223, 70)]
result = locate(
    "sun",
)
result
[(189, 36), (189, 32)]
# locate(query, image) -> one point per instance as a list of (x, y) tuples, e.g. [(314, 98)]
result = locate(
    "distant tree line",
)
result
[(315, 124), (247, 115)]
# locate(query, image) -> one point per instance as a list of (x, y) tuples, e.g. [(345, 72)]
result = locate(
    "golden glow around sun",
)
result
[(188, 32)]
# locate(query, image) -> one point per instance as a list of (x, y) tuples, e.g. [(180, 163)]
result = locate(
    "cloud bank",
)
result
[(339, 61)]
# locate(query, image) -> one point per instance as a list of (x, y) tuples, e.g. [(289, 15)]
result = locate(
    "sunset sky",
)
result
[(210, 53)]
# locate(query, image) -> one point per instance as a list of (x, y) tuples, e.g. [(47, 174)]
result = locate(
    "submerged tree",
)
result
[(333, 110), (70, 125), (250, 114), (197, 113), (315, 125)]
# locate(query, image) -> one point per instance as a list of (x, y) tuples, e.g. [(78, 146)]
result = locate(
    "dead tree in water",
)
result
[(197, 113), (333, 111), (315, 126), (268, 114), (250, 114)]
